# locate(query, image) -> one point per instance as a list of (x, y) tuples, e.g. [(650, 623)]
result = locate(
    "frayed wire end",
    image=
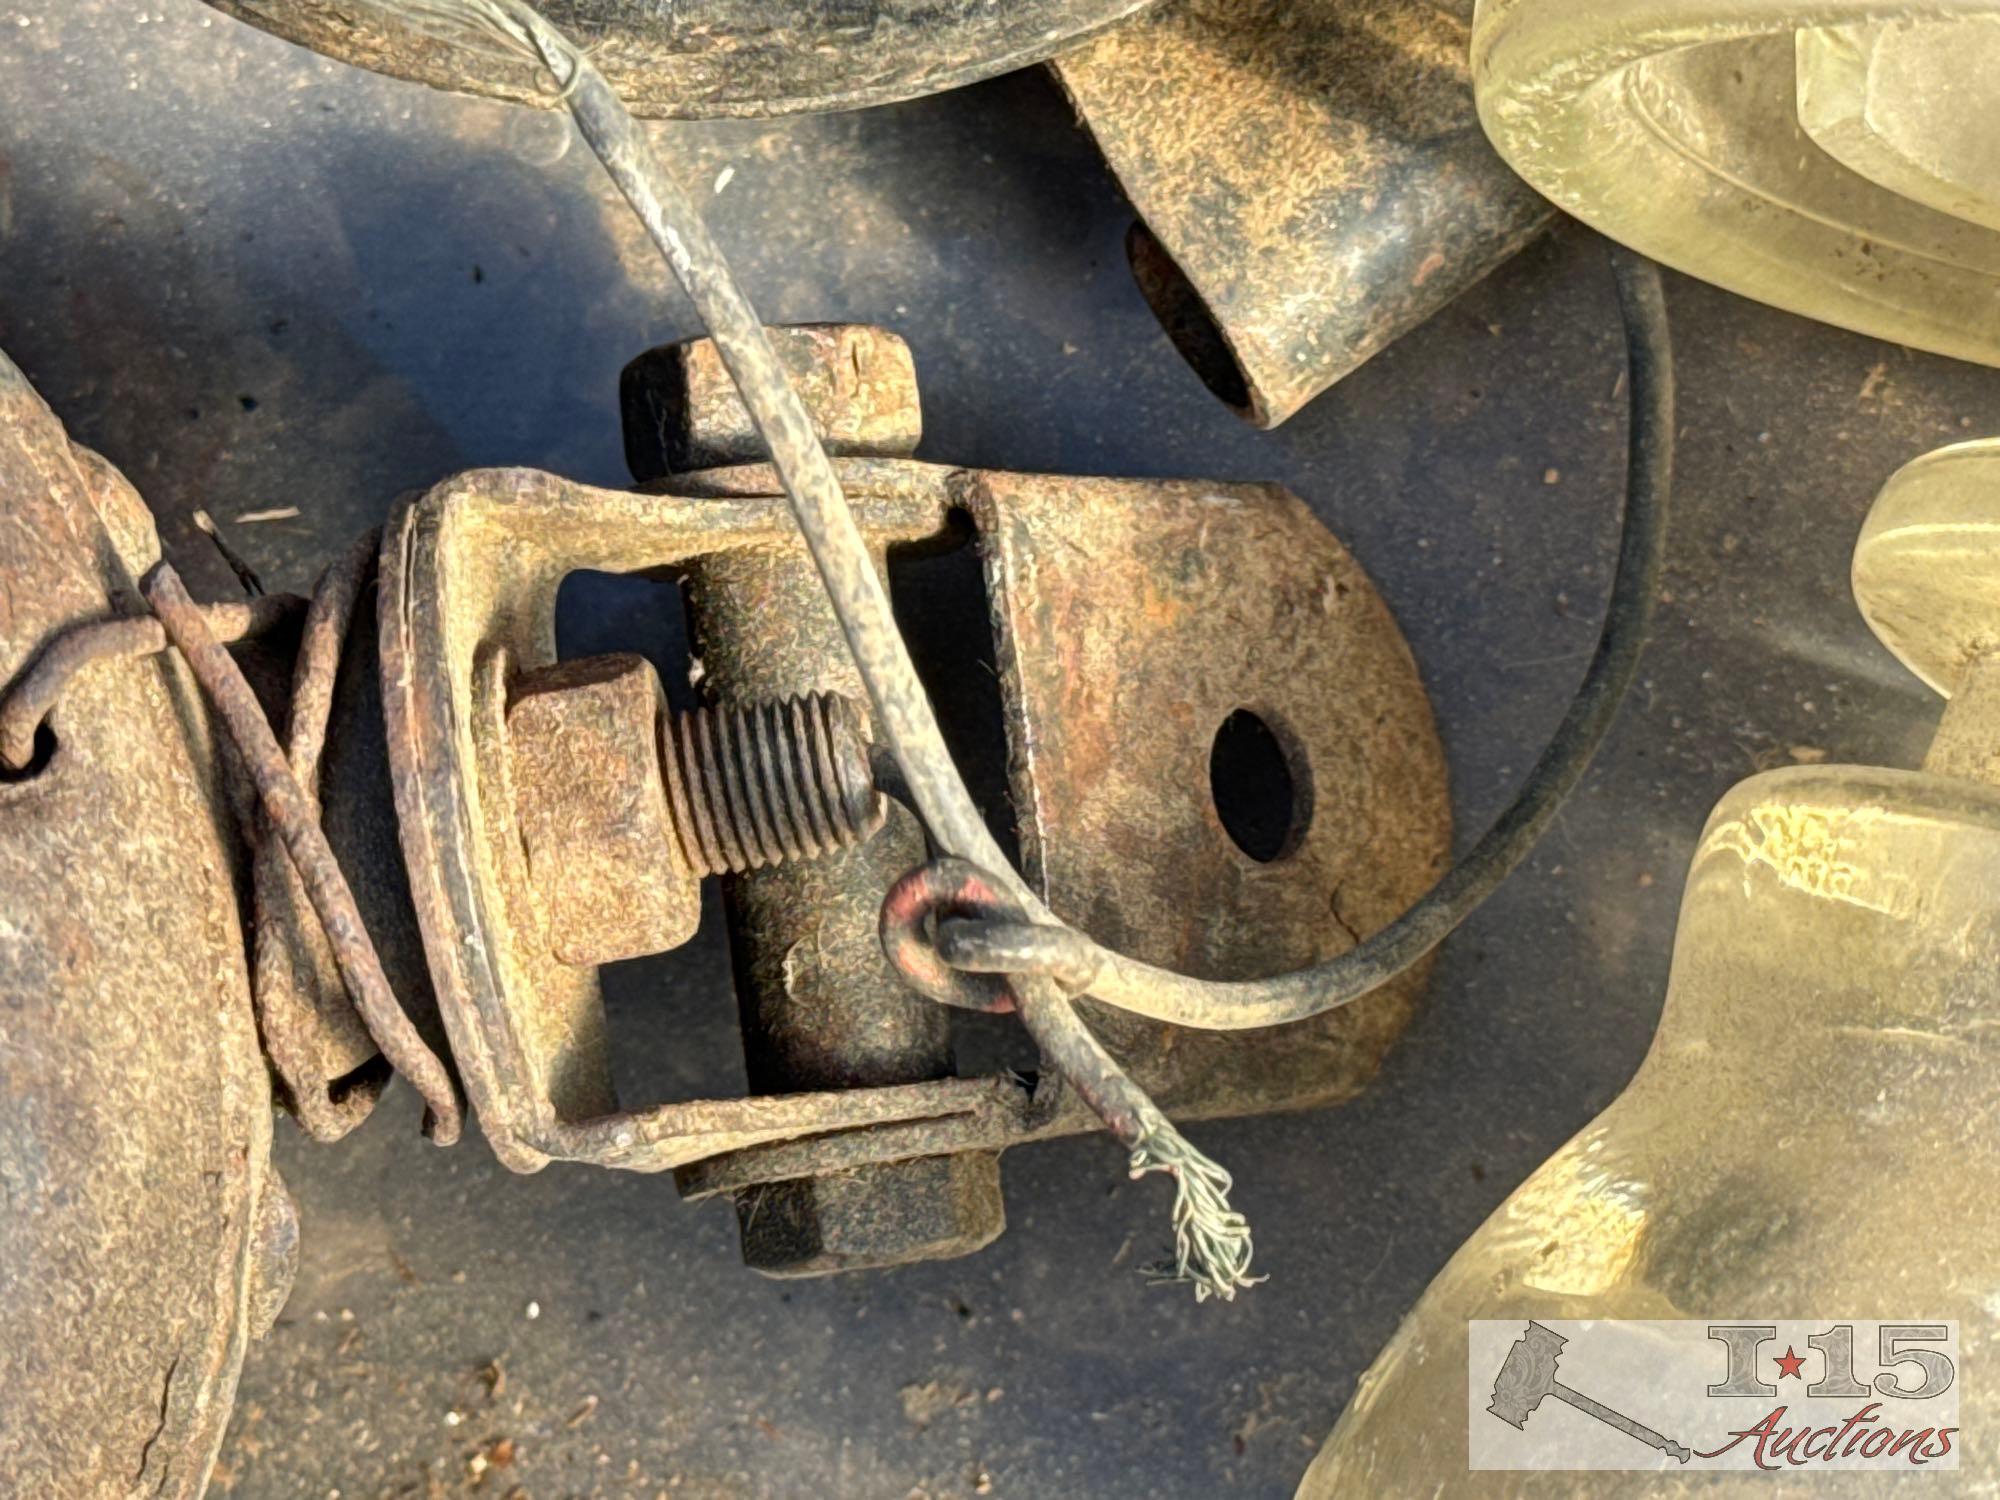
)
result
[(1211, 1240)]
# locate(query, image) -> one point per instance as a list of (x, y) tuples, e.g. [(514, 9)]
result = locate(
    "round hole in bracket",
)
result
[(1260, 785), (45, 753)]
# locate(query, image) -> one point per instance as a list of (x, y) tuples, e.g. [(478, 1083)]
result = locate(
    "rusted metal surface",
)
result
[(944, 889), (820, 1005), (1112, 713), (317, 1042), (700, 58), (31, 697), (318, 1045), (624, 806), (1311, 181), (928, 1208), (1007, 1117), (470, 574), (1237, 598), (758, 784), (469, 577), (295, 819), (599, 839), (274, 1254), (682, 411), (1134, 619), (135, 1113)]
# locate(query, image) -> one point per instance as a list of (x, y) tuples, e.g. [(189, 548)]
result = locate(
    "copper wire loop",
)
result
[(944, 888)]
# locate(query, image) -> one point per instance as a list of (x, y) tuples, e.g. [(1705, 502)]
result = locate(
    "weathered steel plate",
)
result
[(1134, 619), (143, 1233)]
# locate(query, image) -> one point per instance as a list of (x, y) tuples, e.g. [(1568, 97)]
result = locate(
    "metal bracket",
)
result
[(1135, 619)]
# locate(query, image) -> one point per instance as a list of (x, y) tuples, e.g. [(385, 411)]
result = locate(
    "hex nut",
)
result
[(682, 412), (894, 1214), (592, 810)]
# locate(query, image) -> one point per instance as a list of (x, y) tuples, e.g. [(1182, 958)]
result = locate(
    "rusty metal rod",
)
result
[(292, 813), (335, 597), (37, 691), (276, 885)]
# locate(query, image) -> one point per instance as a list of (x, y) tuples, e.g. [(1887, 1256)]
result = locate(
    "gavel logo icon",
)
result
[(1529, 1374)]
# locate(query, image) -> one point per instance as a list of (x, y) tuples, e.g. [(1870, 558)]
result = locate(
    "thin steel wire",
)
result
[(904, 715), (32, 696), (296, 819), (1214, 1244)]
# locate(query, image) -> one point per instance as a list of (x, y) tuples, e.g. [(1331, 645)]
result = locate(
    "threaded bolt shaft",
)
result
[(755, 784)]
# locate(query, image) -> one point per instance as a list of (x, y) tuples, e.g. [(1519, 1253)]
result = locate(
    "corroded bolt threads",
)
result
[(751, 785), (623, 805)]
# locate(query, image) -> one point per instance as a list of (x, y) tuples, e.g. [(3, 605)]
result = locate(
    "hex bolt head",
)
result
[(591, 805), (682, 413), (623, 806)]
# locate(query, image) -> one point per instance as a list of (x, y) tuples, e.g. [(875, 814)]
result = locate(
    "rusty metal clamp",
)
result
[(841, 555), (554, 816), (860, 1147)]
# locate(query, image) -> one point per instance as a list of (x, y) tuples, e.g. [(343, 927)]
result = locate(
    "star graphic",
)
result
[(1788, 1363)]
